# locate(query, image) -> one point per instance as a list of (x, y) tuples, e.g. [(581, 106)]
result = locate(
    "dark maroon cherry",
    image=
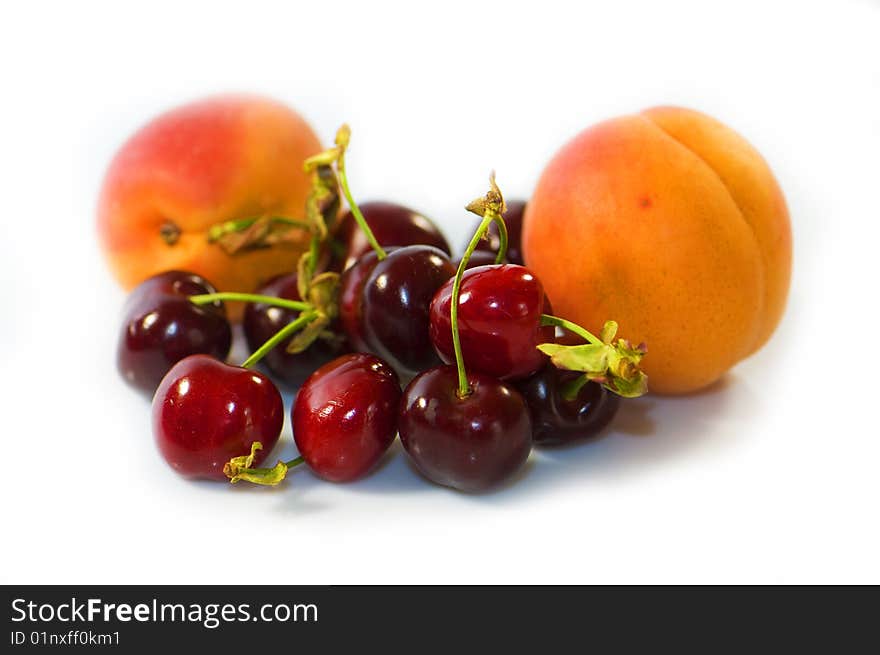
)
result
[(351, 295), (161, 327), (261, 321), (345, 416), (206, 412), (556, 420), (392, 225), (513, 219), (396, 300), (469, 443), (499, 320)]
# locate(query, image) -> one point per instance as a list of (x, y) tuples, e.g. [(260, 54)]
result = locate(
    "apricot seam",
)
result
[(739, 210)]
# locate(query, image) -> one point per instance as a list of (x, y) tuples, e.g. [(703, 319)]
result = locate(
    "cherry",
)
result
[(513, 218), (499, 320), (565, 407), (206, 412), (262, 320), (466, 430), (161, 327), (557, 419), (351, 294), (392, 225), (469, 443), (395, 306), (345, 416)]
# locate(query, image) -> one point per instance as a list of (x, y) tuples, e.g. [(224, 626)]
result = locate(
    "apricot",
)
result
[(671, 224), (219, 159)]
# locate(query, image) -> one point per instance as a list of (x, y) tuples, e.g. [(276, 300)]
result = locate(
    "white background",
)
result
[(770, 477)]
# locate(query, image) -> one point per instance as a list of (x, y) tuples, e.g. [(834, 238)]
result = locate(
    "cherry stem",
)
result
[(219, 229), (304, 319), (571, 389), (502, 237), (464, 388), (547, 319), (314, 248), (257, 471), (355, 210), (239, 468), (207, 298)]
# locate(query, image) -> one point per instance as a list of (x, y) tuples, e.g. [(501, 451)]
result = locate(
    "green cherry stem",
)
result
[(490, 208), (463, 386), (239, 468), (314, 251), (502, 237), (547, 319), (573, 388), (267, 476), (218, 230), (304, 319), (207, 298), (342, 144)]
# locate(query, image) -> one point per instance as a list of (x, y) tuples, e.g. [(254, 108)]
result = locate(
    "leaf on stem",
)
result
[(304, 274), (255, 233), (239, 468), (307, 336), (323, 293), (613, 365)]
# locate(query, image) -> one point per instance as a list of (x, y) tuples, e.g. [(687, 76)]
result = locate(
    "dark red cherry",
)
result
[(261, 321), (396, 300), (392, 225), (160, 327), (499, 321), (351, 295), (173, 283), (345, 416), (513, 219), (469, 443), (206, 412), (556, 420)]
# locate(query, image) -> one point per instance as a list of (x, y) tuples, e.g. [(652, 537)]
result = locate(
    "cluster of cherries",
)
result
[(376, 300)]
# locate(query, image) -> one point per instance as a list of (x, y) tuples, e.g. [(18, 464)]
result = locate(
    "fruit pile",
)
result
[(374, 300), (667, 221)]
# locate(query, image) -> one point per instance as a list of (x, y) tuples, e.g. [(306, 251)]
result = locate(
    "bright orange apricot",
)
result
[(216, 160), (671, 224)]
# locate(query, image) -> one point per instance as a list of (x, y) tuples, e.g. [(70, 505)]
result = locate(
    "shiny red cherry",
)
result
[(345, 416), (395, 304), (206, 412), (499, 320), (469, 443), (161, 327), (557, 420), (513, 219), (392, 225), (261, 321)]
